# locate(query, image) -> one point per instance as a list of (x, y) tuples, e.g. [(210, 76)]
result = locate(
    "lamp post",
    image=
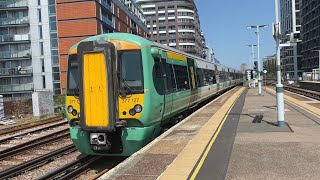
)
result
[(319, 62), (252, 54), (279, 86), (258, 39)]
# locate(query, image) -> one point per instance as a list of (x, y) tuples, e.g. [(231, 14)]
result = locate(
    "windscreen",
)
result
[(130, 69), (73, 76)]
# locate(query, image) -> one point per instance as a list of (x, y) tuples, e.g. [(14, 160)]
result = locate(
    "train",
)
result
[(122, 89)]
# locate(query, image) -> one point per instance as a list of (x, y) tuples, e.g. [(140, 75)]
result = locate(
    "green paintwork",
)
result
[(137, 135)]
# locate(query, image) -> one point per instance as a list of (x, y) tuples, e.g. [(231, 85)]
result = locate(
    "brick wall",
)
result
[(79, 10), (79, 19)]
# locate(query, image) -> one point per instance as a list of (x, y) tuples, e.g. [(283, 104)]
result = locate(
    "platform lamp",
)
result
[(319, 63), (279, 86), (259, 63)]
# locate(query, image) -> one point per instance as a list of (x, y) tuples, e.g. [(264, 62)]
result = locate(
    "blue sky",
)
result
[(224, 24)]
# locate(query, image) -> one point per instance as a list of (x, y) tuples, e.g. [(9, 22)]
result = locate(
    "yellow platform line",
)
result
[(312, 110), (184, 163)]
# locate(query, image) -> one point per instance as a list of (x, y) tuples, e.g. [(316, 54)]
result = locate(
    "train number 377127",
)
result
[(128, 100)]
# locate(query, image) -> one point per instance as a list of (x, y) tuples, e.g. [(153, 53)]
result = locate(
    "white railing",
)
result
[(15, 54), (7, 21), (13, 4), (14, 37), (16, 71), (16, 87)]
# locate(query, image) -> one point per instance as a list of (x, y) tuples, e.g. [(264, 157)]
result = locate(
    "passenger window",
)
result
[(181, 76)]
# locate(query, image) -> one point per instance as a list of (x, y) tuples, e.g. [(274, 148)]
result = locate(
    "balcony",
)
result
[(14, 21), (15, 54), (10, 72), (16, 88), (106, 5), (14, 37), (13, 4), (107, 21)]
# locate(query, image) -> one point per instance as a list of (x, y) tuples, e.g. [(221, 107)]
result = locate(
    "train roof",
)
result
[(142, 42)]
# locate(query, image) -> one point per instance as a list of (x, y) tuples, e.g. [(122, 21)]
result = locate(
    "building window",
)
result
[(44, 82), (118, 12), (119, 26), (41, 48), (40, 32), (39, 15), (42, 65), (163, 41)]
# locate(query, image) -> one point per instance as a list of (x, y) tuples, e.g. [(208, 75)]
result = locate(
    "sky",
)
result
[(224, 24)]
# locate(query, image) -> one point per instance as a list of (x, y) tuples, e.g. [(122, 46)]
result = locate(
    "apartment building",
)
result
[(270, 64), (310, 16), (175, 24), (290, 30), (26, 44), (208, 54), (78, 20)]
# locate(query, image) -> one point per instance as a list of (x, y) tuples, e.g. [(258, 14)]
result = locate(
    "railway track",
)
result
[(34, 163), (17, 135), (305, 92), (30, 125), (80, 166), (18, 149), (12, 165), (73, 169)]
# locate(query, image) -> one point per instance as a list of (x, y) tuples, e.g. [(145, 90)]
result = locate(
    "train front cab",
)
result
[(105, 98)]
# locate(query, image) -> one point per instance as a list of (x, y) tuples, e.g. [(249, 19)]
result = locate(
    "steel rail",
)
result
[(33, 143), (32, 131), (34, 163), (71, 170), (305, 92), (28, 125)]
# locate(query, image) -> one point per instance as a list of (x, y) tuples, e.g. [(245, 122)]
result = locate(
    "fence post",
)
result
[(1, 108)]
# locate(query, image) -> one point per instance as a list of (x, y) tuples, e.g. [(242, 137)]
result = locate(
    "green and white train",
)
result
[(122, 89)]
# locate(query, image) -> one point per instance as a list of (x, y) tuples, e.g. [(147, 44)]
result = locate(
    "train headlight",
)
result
[(138, 108), (69, 109), (132, 112), (74, 112)]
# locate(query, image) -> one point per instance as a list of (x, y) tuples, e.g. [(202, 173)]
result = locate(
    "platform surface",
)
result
[(235, 137), (264, 151)]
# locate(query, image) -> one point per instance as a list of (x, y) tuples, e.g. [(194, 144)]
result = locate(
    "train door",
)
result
[(163, 84), (168, 80), (193, 81)]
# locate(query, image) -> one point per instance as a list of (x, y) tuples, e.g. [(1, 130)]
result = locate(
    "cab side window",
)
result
[(157, 76)]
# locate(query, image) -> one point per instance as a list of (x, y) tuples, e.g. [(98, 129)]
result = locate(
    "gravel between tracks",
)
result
[(41, 171), (31, 154), (30, 137)]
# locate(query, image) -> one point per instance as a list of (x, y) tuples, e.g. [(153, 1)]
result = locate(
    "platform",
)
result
[(234, 137), (310, 85)]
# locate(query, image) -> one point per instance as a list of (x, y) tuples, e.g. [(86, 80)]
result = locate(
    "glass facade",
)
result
[(54, 46)]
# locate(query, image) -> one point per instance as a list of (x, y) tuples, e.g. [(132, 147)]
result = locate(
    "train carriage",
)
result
[(122, 88)]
